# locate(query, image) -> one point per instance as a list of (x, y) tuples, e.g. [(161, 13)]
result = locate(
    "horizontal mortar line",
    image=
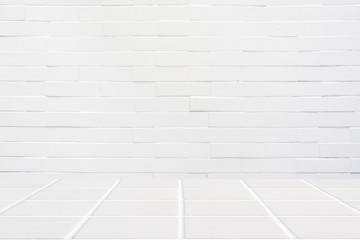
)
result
[(187, 200), (185, 81), (160, 128), (189, 49), (187, 20), (44, 67), (239, 158), (129, 140), (175, 216), (248, 50), (28, 196), (179, 65), (165, 127), (169, 112)]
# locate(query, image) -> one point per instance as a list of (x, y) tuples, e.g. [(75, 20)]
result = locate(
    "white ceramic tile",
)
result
[(131, 227), (143, 194), (310, 208), (354, 204), (290, 194), (83, 183), (232, 227), (335, 183), (324, 227), (148, 183), (211, 183), (276, 183), (223, 208), (4, 203), (36, 227), (51, 208), (15, 193), (137, 208), (23, 182), (69, 194), (344, 193), (217, 194)]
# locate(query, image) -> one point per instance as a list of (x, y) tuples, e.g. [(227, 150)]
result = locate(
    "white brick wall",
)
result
[(180, 86)]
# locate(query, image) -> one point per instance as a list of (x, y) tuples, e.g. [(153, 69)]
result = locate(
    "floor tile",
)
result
[(23, 183), (335, 183), (223, 208), (290, 194), (4, 204), (344, 193), (15, 193), (146, 183), (310, 208), (212, 183), (51, 208), (69, 194), (129, 227), (84, 183), (143, 194), (217, 194), (354, 204), (276, 183), (36, 227), (324, 227), (232, 227), (137, 208)]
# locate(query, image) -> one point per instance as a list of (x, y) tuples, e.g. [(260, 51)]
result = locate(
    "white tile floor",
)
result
[(78, 207)]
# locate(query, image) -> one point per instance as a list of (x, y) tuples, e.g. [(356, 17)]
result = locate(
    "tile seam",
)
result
[(88, 215), (277, 220), (27, 197)]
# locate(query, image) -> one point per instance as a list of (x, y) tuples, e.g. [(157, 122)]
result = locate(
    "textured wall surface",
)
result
[(180, 86)]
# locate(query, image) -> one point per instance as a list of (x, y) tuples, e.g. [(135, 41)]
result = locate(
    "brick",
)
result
[(41, 13), (22, 134), (322, 135), (12, 13), (99, 74), (291, 150), (130, 28), (251, 135), (209, 104), (336, 150), (263, 119), (182, 150), (162, 74), (182, 89), (66, 29), (162, 104), (222, 150), (310, 165)]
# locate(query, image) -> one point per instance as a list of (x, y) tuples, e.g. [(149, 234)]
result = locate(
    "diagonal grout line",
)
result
[(27, 197), (87, 216), (181, 211), (331, 196), (283, 227)]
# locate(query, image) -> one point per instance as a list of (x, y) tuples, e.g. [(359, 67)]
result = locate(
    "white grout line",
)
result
[(88, 215), (331, 196), (283, 227), (28, 196), (181, 211)]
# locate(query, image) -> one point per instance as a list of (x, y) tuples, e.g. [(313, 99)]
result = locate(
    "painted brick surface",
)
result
[(160, 86)]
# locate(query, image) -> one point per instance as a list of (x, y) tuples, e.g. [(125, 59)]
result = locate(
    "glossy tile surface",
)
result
[(78, 207)]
